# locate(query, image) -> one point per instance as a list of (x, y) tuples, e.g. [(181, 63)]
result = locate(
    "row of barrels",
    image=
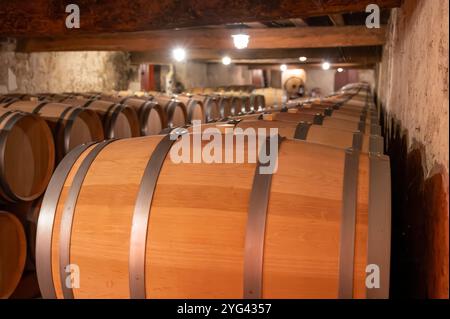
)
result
[(31, 148), (223, 89), (272, 97), (137, 224), (38, 131)]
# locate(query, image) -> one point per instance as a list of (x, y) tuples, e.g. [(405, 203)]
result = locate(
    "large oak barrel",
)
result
[(27, 156), (246, 103), (225, 107), (340, 113), (152, 117), (307, 131), (317, 133), (211, 107), (258, 115), (343, 106), (119, 121), (54, 97), (236, 105), (194, 107), (71, 126), (13, 249), (28, 213), (18, 96), (134, 230), (257, 102), (175, 110), (328, 121)]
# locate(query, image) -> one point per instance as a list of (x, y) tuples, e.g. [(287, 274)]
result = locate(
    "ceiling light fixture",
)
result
[(226, 60), (326, 65), (240, 40), (340, 70), (179, 54), (303, 59), (283, 67)]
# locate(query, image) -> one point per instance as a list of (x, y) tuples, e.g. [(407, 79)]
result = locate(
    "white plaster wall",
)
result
[(413, 75), (221, 75), (321, 79)]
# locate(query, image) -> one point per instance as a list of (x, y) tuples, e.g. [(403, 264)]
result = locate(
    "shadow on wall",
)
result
[(420, 238)]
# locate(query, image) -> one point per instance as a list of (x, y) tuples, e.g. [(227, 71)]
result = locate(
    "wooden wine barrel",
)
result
[(175, 110), (87, 95), (329, 121), (7, 99), (236, 105), (318, 233), (152, 117), (211, 107), (27, 213), (255, 116), (12, 96), (317, 133), (194, 107), (345, 106), (13, 249), (308, 131), (225, 106), (27, 156), (246, 104), (71, 126), (54, 97), (257, 102), (368, 116), (337, 113), (119, 121)]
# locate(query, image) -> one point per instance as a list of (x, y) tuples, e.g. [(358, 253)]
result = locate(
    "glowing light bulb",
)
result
[(326, 66), (226, 60), (303, 58), (179, 54), (340, 70), (240, 40), (283, 67)]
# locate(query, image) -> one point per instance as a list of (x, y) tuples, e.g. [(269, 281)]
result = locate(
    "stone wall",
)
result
[(413, 94), (223, 75), (58, 72)]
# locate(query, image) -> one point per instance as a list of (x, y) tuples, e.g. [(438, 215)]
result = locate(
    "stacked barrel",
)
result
[(135, 218)]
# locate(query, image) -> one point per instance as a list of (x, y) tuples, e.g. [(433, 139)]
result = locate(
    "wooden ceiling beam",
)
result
[(312, 66), (354, 54), (24, 18), (219, 39)]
